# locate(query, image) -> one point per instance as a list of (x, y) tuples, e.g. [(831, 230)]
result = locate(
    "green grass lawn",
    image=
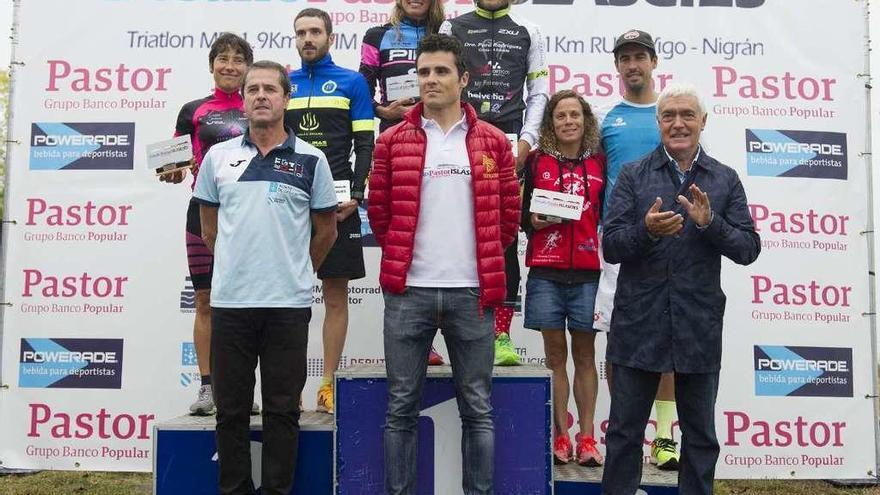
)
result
[(82, 483)]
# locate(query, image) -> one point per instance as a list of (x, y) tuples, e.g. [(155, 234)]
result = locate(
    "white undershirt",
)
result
[(445, 250)]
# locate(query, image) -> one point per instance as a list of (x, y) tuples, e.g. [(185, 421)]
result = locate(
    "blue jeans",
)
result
[(550, 305), (411, 321), (632, 393)]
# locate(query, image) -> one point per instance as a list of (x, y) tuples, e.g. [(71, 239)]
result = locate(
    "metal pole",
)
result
[(869, 233), (10, 145)]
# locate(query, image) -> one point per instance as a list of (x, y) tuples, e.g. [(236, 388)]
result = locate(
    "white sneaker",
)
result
[(204, 404), (640, 492)]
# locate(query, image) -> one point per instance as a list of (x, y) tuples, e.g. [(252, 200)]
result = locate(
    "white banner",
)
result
[(96, 264)]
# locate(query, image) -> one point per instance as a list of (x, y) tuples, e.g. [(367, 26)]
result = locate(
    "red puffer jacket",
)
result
[(395, 188)]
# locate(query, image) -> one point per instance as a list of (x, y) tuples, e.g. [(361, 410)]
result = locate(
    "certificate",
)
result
[(343, 190), (402, 87), (170, 155), (557, 204)]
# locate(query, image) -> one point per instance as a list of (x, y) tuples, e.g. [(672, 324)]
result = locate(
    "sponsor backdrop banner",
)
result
[(97, 342)]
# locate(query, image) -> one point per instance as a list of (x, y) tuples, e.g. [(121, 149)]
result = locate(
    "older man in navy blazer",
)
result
[(671, 218)]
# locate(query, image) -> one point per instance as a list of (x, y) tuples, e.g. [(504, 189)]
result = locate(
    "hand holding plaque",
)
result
[(171, 157)]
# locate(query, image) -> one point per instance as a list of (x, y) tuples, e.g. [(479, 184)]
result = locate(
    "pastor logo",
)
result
[(782, 371), (70, 363), (94, 424), (82, 146), (775, 153)]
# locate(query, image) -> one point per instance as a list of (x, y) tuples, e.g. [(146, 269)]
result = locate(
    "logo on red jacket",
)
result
[(491, 168)]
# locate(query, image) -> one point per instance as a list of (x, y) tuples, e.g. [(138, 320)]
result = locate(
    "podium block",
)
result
[(521, 398), (572, 479), (185, 455)]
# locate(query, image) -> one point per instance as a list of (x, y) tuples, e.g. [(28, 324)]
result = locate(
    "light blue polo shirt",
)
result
[(261, 255)]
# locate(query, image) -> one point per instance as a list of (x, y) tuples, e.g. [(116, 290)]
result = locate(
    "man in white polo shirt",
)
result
[(444, 203), (262, 195)]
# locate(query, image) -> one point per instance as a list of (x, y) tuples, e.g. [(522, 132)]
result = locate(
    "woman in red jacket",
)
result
[(564, 264)]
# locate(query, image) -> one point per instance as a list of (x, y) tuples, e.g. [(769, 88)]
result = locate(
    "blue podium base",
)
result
[(185, 455), (572, 479), (185, 462)]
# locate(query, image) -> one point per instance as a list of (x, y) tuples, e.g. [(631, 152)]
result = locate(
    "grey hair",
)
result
[(677, 89)]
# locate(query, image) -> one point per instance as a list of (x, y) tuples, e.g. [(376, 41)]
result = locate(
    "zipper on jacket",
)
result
[(311, 87)]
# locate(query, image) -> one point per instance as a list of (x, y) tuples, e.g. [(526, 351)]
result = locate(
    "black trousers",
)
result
[(278, 337), (632, 394)]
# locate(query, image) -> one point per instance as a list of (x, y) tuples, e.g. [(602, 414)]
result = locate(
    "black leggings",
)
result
[(511, 272)]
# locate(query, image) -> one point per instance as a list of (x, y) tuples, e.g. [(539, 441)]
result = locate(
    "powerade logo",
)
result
[(70, 363), (782, 371), (817, 155), (82, 146)]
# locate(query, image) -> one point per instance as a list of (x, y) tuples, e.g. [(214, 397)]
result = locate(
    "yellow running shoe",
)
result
[(505, 354), (325, 399), (664, 454)]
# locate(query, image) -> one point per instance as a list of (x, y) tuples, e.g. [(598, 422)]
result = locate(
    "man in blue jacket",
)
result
[(671, 218), (331, 108)]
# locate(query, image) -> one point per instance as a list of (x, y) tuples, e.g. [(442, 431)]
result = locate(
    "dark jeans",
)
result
[(632, 393), (411, 321), (278, 338)]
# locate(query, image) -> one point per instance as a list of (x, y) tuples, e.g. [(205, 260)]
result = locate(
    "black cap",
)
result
[(637, 37)]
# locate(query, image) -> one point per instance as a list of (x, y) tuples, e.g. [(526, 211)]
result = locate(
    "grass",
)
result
[(77, 483), (93, 483), (787, 487)]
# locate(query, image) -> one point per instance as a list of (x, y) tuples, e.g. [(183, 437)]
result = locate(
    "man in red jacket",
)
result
[(443, 204)]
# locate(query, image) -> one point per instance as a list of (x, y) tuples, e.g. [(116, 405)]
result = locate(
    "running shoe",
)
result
[(325, 399), (434, 358), (587, 454), (505, 354), (561, 449), (204, 404), (664, 454)]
